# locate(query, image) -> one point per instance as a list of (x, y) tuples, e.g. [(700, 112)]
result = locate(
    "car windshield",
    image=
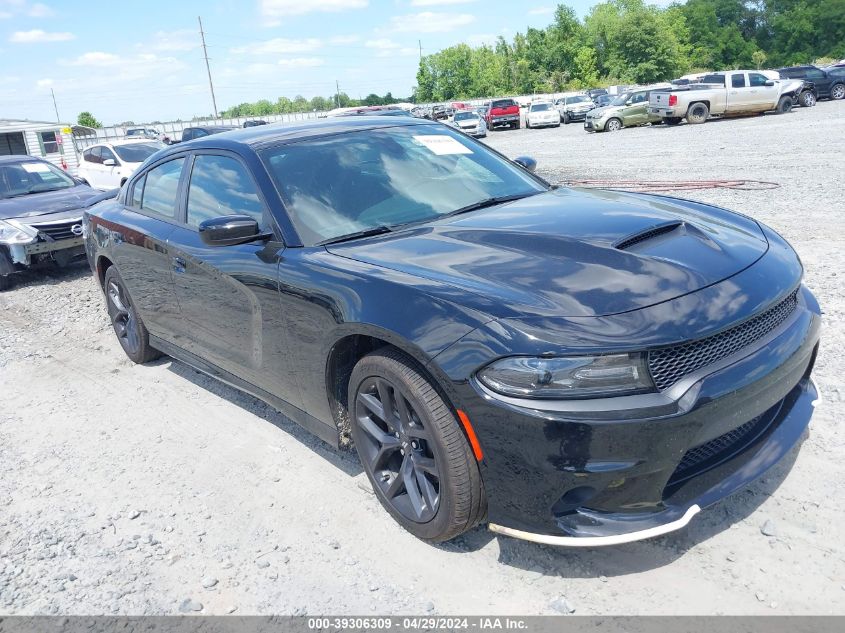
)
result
[(343, 184), (504, 103), (539, 107), (463, 116), (137, 152), (579, 99), (621, 99), (26, 177)]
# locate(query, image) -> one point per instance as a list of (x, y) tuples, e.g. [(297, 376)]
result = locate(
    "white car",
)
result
[(541, 114), (108, 165), (469, 122)]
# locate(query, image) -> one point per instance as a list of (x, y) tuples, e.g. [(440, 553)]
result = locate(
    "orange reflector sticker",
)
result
[(473, 439)]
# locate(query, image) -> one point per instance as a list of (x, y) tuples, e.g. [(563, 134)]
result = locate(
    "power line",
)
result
[(58, 118), (207, 67)]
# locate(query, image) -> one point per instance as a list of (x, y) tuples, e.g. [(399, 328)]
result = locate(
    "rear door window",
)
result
[(738, 81), (161, 188)]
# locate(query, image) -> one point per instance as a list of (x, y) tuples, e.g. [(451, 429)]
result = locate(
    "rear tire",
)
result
[(426, 478), (784, 105), (128, 327), (5, 282), (698, 113), (837, 92)]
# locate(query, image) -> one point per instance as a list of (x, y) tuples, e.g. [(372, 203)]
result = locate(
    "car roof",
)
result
[(261, 136), (20, 158)]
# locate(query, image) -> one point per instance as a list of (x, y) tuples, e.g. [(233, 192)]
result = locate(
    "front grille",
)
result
[(57, 230), (670, 364), (704, 457)]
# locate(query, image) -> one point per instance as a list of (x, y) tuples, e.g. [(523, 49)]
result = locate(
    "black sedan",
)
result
[(569, 367), (40, 215)]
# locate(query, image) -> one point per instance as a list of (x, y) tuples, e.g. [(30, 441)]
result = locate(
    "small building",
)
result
[(50, 141)]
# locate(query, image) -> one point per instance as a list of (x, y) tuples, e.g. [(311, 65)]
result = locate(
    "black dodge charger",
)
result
[(570, 367)]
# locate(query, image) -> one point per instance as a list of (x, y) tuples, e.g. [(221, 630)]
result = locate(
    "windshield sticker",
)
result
[(35, 168), (443, 145)]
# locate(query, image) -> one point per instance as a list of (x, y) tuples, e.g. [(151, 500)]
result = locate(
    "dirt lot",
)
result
[(152, 489)]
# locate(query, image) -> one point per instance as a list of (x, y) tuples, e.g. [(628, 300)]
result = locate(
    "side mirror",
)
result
[(109, 162), (770, 83), (526, 162), (228, 230)]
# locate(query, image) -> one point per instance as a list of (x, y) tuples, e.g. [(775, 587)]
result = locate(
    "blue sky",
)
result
[(142, 61)]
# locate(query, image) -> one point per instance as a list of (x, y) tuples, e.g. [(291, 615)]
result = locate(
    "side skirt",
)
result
[(324, 431)]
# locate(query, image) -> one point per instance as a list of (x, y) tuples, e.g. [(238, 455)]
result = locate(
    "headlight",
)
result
[(568, 377), (10, 234)]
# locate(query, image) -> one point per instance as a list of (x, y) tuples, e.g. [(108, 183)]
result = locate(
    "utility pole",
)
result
[(207, 67), (337, 94), (420, 43), (55, 107)]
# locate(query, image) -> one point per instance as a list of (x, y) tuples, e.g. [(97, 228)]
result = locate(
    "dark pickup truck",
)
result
[(503, 113)]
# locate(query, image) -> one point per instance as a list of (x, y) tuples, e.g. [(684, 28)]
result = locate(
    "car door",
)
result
[(229, 295), (636, 112), (139, 244), (821, 80), (764, 97), (740, 98), (89, 168), (110, 174)]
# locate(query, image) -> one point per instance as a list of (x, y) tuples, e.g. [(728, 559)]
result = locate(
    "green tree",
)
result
[(87, 119)]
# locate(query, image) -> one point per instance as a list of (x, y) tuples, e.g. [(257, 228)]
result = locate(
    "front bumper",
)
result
[(594, 125), (508, 119), (609, 474), (577, 116)]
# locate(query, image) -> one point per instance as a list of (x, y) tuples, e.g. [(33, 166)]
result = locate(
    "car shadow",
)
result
[(48, 274), (631, 558), (343, 460)]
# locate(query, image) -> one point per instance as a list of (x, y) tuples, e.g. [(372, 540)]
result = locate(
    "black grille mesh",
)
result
[(57, 230), (724, 445), (670, 364)]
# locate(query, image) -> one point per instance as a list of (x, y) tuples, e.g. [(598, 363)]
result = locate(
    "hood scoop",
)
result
[(643, 236)]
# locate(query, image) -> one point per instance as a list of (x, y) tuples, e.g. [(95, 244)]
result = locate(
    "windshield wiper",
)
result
[(489, 202), (373, 230)]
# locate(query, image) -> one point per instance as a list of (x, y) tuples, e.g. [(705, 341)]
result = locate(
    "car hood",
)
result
[(597, 113), (580, 107), (468, 123), (48, 202), (570, 252)]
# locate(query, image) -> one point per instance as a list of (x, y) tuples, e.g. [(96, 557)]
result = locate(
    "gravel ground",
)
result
[(153, 489)]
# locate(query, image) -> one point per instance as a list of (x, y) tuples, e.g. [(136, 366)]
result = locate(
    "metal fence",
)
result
[(173, 129)]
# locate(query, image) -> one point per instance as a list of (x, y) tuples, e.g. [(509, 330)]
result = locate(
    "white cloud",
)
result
[(344, 39), (428, 22), (480, 38), (37, 36), (541, 11), (179, 40), (300, 62), (273, 10), (433, 3), (95, 58), (381, 44), (39, 10), (279, 46), (44, 83)]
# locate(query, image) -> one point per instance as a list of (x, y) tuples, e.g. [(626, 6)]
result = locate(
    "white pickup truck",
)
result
[(730, 93)]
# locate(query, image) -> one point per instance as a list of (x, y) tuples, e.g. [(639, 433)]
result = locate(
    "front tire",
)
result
[(807, 99), (128, 327), (566, 118), (5, 282), (698, 113), (784, 105), (613, 125), (411, 447)]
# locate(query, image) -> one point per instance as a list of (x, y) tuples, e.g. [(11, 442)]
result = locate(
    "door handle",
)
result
[(179, 264)]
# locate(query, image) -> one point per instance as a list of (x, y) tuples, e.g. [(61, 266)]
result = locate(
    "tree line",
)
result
[(628, 41), (284, 105)]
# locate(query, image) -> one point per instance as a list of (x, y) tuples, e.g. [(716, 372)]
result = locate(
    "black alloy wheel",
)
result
[(412, 448), (396, 446), (130, 330)]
